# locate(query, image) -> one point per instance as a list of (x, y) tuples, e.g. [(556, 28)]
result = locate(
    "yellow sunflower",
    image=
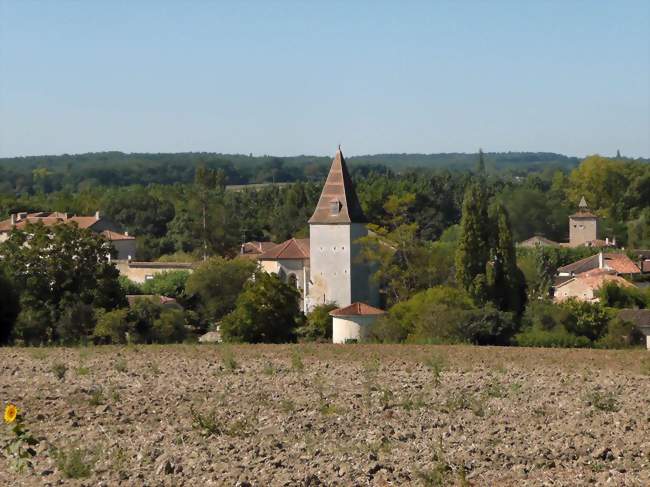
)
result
[(11, 411)]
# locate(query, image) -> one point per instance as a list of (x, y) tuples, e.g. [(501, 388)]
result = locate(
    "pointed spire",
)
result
[(583, 204), (338, 201)]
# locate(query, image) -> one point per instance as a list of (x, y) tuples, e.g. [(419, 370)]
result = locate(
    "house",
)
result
[(124, 243), (252, 250), (585, 286), (616, 262), (583, 231), (290, 261)]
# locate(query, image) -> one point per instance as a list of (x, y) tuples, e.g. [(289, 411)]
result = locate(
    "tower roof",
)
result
[(338, 202), (583, 210)]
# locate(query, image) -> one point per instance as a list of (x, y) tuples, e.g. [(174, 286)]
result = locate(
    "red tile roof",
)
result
[(47, 219), (294, 248), (619, 263), (114, 236), (338, 193), (358, 309)]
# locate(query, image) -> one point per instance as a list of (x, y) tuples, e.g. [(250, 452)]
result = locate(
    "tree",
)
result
[(266, 311), (112, 326), (473, 247), (506, 281), (9, 307), (169, 327), (318, 326), (217, 283), (169, 283), (56, 268)]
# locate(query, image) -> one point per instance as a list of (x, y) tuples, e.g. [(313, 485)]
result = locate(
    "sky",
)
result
[(290, 78)]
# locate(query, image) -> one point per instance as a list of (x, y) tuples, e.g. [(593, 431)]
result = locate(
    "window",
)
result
[(335, 207), (293, 281)]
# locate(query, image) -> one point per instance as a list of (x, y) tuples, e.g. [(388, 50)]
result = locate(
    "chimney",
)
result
[(13, 219), (600, 260), (614, 240), (97, 215), (242, 249), (126, 234), (607, 241)]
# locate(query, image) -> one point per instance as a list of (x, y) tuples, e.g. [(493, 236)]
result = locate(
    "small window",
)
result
[(335, 207), (148, 277)]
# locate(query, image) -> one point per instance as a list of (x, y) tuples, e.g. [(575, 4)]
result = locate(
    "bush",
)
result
[(558, 337), (170, 283), (444, 314), (318, 326), (169, 327), (76, 324), (614, 296), (112, 327), (8, 307), (267, 311)]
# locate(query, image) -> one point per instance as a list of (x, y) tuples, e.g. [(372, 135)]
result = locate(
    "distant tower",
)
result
[(583, 225), (336, 275)]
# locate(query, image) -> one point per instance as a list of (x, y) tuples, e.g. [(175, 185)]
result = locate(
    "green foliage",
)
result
[(19, 448), (217, 283), (112, 327), (614, 296), (52, 277), (59, 369), (169, 327), (603, 401), (128, 286), (444, 315), (473, 247), (75, 462), (266, 311), (169, 283), (318, 325)]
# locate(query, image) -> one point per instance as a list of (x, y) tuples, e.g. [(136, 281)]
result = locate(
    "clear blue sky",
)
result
[(288, 78)]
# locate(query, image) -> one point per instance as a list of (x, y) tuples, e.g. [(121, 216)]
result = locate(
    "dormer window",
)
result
[(335, 207)]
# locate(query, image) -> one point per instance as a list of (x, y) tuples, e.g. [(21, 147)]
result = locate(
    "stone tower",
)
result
[(336, 275), (583, 225)]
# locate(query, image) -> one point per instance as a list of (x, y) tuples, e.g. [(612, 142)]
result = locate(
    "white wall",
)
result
[(351, 327), (330, 263)]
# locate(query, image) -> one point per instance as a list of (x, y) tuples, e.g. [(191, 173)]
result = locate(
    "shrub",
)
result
[(112, 327), (318, 326), (557, 337), (75, 463), (169, 327), (267, 311), (169, 283)]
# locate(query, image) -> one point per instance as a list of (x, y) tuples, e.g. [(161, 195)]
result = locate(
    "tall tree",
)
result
[(505, 282), (473, 248)]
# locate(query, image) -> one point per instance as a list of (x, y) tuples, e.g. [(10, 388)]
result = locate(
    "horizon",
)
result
[(295, 79)]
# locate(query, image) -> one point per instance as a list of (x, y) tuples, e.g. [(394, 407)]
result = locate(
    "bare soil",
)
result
[(331, 415)]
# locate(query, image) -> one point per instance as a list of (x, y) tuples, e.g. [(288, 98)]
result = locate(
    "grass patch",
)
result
[(97, 397), (59, 369), (297, 364), (75, 462), (603, 401), (228, 359), (436, 363), (120, 365)]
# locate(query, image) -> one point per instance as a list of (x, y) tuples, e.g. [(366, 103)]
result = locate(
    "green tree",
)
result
[(169, 327), (318, 325), (506, 281), (217, 283), (112, 326), (266, 311), (473, 247), (55, 268), (169, 283)]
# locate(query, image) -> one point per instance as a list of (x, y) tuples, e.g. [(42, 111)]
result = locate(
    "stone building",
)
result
[(353, 322), (336, 273), (583, 226)]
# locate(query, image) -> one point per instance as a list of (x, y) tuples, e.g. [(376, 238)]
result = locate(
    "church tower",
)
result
[(583, 225), (336, 275)]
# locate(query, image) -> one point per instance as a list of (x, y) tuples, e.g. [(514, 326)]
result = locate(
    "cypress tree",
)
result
[(473, 248), (505, 283)]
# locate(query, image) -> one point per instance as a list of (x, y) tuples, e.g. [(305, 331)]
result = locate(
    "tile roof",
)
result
[(595, 279), (338, 201), (620, 263), (46, 218), (114, 236), (358, 309), (294, 248), (255, 248)]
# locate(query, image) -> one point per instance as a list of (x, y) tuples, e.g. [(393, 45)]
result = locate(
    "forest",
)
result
[(418, 203)]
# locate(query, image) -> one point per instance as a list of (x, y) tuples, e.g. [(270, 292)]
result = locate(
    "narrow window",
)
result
[(335, 207)]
